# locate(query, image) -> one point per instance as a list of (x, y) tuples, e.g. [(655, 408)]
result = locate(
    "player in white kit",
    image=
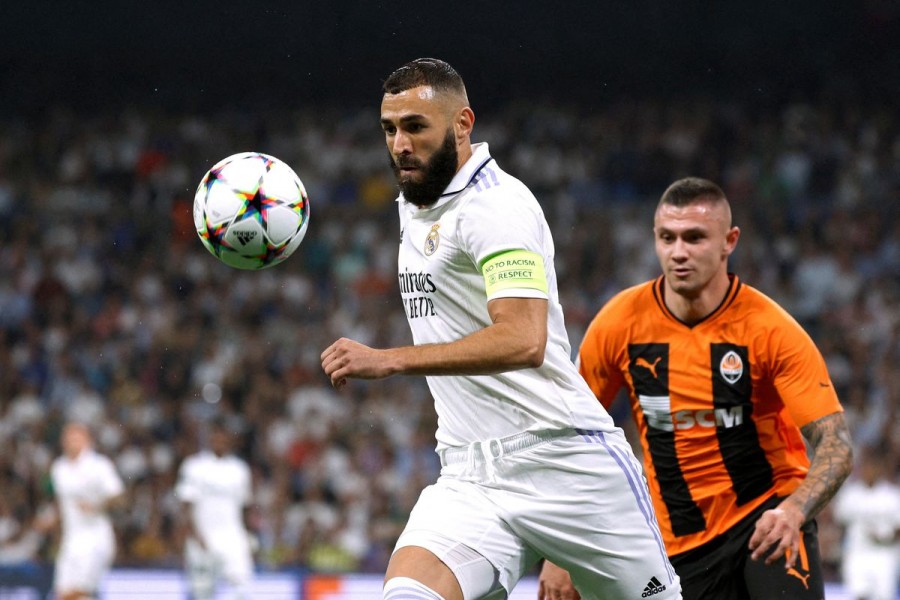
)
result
[(215, 487), (868, 506), (86, 486), (532, 465)]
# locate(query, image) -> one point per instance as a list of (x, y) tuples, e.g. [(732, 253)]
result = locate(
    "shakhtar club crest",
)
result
[(731, 367)]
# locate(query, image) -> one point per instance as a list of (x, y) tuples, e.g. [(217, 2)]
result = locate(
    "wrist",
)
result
[(793, 510), (395, 362)]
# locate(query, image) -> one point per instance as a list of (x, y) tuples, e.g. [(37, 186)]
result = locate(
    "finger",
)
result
[(790, 556), (778, 551), (326, 352), (759, 534), (763, 546)]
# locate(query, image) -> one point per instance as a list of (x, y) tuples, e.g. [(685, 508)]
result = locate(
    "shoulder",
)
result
[(191, 461), (765, 313), (628, 303), (492, 188), (614, 320), (238, 463)]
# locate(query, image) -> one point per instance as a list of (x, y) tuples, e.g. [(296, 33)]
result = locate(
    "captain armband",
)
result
[(514, 269)]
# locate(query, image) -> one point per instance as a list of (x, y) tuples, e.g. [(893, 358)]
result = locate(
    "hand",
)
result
[(88, 507), (555, 584), (346, 358), (777, 530)]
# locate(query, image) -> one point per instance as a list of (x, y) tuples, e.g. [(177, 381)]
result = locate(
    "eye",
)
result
[(389, 129), (415, 127)]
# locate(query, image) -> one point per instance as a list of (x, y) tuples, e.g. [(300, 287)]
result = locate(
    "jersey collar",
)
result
[(730, 295), (467, 173)]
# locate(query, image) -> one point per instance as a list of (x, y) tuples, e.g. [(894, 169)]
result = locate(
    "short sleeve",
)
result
[(111, 483), (800, 374), (505, 219), (186, 489)]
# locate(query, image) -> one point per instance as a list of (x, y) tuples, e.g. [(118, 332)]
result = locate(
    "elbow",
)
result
[(848, 463), (534, 356)]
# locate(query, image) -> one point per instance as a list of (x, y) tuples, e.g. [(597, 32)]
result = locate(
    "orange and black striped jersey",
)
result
[(718, 404)]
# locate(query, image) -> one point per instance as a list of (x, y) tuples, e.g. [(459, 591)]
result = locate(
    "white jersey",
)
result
[(217, 490), (483, 212), (89, 479)]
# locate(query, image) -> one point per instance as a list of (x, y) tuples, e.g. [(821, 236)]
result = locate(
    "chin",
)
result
[(682, 287)]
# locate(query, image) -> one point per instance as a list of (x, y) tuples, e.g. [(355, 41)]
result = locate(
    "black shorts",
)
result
[(723, 570)]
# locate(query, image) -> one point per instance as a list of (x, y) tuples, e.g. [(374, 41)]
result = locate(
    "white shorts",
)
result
[(229, 559), (81, 564), (576, 498)]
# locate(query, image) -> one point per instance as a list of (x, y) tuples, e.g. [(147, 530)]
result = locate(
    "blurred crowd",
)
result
[(112, 312)]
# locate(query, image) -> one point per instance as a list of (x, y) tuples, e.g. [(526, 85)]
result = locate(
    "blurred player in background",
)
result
[(868, 506), (86, 486), (532, 464), (724, 388), (215, 489)]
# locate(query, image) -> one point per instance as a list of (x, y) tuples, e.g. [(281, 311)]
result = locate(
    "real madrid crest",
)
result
[(432, 240), (731, 367)]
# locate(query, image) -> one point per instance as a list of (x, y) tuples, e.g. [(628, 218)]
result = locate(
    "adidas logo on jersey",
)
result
[(653, 587)]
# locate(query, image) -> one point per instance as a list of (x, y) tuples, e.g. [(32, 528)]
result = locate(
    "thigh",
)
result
[(233, 558), (711, 578), (82, 568), (587, 509), (803, 581), (453, 512)]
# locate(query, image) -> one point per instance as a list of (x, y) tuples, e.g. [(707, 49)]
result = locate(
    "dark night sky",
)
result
[(199, 54)]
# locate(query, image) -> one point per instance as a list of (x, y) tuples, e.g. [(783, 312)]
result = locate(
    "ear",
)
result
[(463, 124), (731, 240)]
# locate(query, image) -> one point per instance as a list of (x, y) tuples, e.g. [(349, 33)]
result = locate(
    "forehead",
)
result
[(418, 101), (702, 215), (75, 432)]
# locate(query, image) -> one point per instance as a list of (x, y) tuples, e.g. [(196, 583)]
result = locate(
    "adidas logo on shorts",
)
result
[(653, 587)]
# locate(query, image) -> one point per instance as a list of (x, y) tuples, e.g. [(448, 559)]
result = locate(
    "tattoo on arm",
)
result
[(831, 463)]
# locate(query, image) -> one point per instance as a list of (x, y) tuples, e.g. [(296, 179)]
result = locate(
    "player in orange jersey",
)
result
[(724, 387)]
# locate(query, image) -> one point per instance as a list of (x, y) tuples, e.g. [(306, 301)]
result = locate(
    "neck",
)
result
[(465, 153), (693, 308)]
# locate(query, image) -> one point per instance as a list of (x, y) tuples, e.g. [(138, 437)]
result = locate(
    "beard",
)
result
[(436, 173)]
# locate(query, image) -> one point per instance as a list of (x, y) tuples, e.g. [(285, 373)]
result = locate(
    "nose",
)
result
[(679, 250), (401, 144)]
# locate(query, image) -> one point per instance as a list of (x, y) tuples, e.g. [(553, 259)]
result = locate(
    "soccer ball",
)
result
[(251, 210)]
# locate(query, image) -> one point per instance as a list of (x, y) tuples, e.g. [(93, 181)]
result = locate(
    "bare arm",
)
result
[(185, 529), (779, 529), (515, 339)]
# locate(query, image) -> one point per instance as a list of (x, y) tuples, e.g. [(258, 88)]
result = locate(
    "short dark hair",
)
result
[(685, 191), (425, 71)]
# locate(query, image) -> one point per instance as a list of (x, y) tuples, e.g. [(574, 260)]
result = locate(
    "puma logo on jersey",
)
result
[(642, 362)]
